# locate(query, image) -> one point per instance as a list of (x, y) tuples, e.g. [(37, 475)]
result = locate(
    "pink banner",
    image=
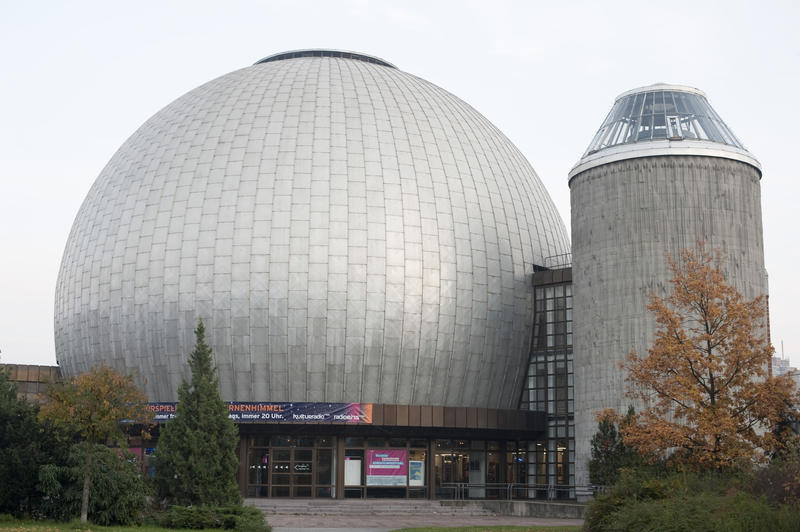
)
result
[(387, 467)]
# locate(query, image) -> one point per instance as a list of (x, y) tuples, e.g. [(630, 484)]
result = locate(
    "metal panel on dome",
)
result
[(347, 232)]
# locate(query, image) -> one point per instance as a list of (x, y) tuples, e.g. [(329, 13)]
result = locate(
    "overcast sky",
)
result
[(78, 78)]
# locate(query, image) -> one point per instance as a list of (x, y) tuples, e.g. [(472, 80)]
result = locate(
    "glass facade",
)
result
[(549, 388), (287, 466), (659, 115), (282, 466), (478, 469), (380, 467)]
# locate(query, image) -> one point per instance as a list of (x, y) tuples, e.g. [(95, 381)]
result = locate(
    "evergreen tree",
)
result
[(25, 445), (196, 458), (609, 452)]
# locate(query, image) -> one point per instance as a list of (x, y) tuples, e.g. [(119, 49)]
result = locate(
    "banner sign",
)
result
[(386, 467), (241, 412)]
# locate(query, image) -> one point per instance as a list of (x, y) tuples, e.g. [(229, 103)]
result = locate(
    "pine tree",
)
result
[(609, 452), (196, 458)]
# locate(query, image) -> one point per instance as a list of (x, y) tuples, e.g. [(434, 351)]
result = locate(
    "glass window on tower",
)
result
[(549, 389)]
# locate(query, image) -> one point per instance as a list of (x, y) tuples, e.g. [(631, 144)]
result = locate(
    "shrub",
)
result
[(673, 502), (118, 492), (779, 481), (240, 518), (25, 445)]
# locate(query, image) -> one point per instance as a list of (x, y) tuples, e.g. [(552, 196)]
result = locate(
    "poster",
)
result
[(416, 473), (387, 467), (352, 471)]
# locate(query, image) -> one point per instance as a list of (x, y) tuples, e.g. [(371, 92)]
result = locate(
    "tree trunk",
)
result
[(87, 476)]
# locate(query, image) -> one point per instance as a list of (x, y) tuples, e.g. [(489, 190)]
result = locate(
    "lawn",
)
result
[(494, 529), (8, 524)]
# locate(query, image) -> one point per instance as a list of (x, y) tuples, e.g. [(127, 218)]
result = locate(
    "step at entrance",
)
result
[(366, 507)]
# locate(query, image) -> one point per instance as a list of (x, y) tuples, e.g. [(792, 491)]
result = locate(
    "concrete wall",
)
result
[(543, 509), (626, 217)]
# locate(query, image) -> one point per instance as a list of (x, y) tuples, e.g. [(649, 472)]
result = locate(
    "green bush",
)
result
[(26, 444), (240, 518), (677, 502), (118, 492), (779, 481)]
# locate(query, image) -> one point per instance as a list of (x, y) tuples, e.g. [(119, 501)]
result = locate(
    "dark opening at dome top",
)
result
[(293, 54)]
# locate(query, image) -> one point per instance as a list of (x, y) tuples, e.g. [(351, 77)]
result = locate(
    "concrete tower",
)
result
[(662, 172)]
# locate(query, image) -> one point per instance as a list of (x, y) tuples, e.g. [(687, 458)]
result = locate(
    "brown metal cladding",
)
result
[(402, 415), (438, 416), (426, 416), (450, 416), (390, 414), (491, 418), (377, 415), (415, 416), (472, 418)]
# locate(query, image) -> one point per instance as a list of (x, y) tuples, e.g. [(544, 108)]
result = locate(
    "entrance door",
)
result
[(495, 475), (302, 472), (287, 466), (450, 468), (281, 472), (292, 472)]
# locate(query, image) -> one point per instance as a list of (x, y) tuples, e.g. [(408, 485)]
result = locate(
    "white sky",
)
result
[(77, 78)]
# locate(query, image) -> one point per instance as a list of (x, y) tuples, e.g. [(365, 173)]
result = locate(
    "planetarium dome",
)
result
[(345, 230)]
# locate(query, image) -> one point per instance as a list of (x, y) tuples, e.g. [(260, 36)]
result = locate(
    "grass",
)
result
[(494, 529), (9, 524)]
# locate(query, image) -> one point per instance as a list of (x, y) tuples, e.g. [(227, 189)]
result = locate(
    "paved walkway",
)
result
[(382, 523)]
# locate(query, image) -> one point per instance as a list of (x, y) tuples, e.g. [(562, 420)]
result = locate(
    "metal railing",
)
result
[(557, 262), (514, 491)]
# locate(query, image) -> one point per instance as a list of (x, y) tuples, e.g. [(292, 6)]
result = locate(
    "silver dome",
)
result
[(346, 231)]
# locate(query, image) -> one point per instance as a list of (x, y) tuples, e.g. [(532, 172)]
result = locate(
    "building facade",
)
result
[(392, 299), (359, 244)]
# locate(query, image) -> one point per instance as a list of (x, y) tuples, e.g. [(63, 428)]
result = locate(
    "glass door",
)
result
[(495, 475), (281, 472), (302, 472)]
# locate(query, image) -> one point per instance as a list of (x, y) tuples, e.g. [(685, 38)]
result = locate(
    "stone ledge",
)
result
[(546, 509)]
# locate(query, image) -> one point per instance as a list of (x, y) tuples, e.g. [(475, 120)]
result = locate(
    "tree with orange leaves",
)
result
[(94, 406), (708, 398)]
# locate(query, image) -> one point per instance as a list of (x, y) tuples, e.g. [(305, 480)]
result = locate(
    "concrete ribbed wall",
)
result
[(626, 217)]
